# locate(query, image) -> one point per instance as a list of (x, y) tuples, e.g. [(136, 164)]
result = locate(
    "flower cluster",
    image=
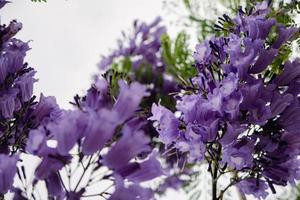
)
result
[(139, 58), (105, 131), (240, 115), (143, 46), (105, 134), (16, 78), (16, 88), (19, 111)]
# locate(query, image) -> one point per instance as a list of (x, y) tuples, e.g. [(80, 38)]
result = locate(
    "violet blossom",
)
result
[(239, 117), (93, 132)]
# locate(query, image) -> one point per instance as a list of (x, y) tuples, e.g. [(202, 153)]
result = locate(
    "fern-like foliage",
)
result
[(177, 57)]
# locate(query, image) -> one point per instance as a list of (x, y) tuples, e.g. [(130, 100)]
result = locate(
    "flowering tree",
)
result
[(240, 114), (157, 110)]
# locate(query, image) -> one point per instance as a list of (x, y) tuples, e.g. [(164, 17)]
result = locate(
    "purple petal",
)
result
[(266, 58)]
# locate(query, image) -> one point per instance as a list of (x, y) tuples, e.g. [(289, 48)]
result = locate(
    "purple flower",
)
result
[(147, 170), (133, 192), (283, 173), (290, 118), (262, 8), (189, 106), (129, 146), (45, 110), (254, 101), (267, 144), (15, 51), (68, 130), (266, 58), (232, 132), (129, 99), (8, 103), (235, 114), (11, 30), (215, 100), (229, 85), (37, 142), (203, 53), (280, 102), (253, 186), (290, 72), (239, 154), (284, 35), (54, 186), (105, 62), (294, 87), (168, 124), (2, 3), (142, 46), (3, 69), (25, 85), (8, 169), (97, 96), (231, 105), (196, 151), (51, 164), (97, 134), (18, 194), (259, 28), (242, 58), (71, 195)]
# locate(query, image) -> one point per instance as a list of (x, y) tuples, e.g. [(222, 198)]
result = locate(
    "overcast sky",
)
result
[(68, 37)]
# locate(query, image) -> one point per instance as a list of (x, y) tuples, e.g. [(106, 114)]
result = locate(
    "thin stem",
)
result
[(94, 195), (98, 180), (223, 191), (214, 182), (62, 182), (100, 194), (84, 171), (234, 181), (215, 169), (68, 172)]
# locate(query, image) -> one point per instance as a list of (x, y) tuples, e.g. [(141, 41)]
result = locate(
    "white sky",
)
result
[(69, 37)]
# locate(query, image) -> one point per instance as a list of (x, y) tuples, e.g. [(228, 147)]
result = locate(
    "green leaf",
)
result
[(187, 3), (123, 66), (177, 57), (166, 50)]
